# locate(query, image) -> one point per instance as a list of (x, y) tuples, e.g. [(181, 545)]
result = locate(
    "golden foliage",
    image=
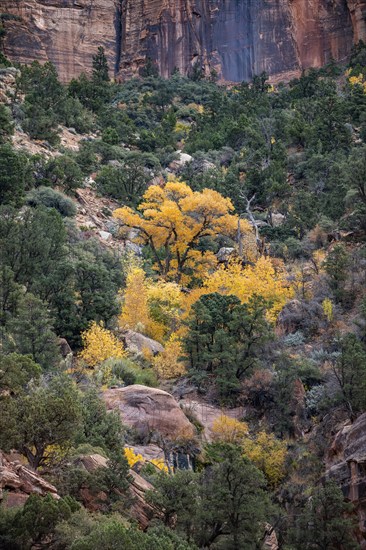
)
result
[(133, 458), (358, 80), (150, 307), (199, 108), (174, 219), (165, 301), (135, 313), (167, 364), (328, 309), (99, 344), (269, 455), (182, 128), (229, 430), (261, 279), (318, 259)]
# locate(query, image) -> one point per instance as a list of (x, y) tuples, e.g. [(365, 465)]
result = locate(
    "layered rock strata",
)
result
[(237, 39), (346, 465), (18, 481)]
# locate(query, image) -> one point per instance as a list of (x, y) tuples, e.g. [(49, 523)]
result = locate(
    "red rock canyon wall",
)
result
[(239, 38)]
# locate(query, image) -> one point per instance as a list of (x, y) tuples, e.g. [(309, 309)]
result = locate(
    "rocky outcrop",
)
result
[(357, 9), (18, 482), (149, 410), (66, 32), (207, 414), (237, 39), (138, 343), (346, 464), (64, 347), (270, 541), (140, 510), (7, 84)]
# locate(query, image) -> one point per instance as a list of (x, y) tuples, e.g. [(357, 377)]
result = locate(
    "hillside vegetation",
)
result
[(233, 252)]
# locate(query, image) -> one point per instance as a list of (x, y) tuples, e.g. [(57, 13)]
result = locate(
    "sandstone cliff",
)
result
[(346, 464), (237, 39)]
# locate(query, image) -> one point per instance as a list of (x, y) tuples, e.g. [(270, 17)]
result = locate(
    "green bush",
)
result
[(51, 198), (12, 168), (128, 372)]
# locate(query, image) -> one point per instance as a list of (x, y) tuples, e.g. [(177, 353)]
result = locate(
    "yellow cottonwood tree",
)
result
[(327, 305), (165, 300), (135, 312), (261, 279), (229, 430), (269, 455), (173, 220), (99, 344), (150, 307), (167, 363)]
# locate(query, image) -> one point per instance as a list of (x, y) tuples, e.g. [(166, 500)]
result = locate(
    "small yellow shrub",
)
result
[(132, 458), (229, 430), (167, 364), (328, 309), (99, 344)]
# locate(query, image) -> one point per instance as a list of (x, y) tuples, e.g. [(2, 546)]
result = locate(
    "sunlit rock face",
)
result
[(237, 38)]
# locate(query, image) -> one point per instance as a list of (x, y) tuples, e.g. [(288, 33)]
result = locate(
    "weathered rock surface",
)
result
[(140, 510), (64, 347), (149, 452), (270, 541), (224, 254), (92, 462), (149, 410), (19, 482), (182, 160), (138, 343), (237, 39), (346, 464), (7, 84), (206, 414)]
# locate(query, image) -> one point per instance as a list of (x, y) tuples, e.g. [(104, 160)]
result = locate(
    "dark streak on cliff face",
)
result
[(237, 38), (118, 29)]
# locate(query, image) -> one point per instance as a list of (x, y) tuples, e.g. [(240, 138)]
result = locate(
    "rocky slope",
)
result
[(237, 39), (18, 481)]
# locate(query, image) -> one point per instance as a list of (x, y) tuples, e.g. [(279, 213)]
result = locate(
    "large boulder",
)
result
[(64, 347), (138, 343), (19, 481), (181, 160), (224, 254), (270, 540), (92, 462), (346, 465), (149, 410)]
